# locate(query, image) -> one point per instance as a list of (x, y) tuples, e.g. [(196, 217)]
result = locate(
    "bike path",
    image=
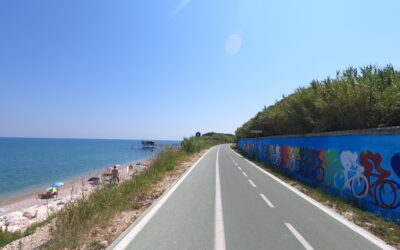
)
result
[(186, 219), (319, 229), (249, 222)]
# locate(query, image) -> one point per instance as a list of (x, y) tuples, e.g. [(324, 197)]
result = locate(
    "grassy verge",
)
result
[(386, 230), (98, 208)]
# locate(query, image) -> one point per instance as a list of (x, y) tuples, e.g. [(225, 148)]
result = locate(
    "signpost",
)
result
[(198, 134), (256, 132)]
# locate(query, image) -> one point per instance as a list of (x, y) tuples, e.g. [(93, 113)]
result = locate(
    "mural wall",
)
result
[(365, 168)]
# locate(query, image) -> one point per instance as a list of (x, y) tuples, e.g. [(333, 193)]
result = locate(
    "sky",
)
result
[(166, 69)]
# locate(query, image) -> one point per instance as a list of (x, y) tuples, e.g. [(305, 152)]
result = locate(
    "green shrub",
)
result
[(191, 144), (195, 144), (7, 237), (169, 166)]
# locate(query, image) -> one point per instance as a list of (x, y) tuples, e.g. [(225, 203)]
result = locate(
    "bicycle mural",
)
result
[(368, 175)]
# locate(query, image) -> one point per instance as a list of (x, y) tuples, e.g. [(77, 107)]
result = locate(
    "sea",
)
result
[(33, 164)]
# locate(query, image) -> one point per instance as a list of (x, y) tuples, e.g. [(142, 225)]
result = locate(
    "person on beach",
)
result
[(49, 194), (54, 192), (115, 175)]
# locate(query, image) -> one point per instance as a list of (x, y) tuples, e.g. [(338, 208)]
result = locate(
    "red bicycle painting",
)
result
[(382, 190)]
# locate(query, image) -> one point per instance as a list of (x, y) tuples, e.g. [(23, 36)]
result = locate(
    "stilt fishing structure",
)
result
[(151, 145), (148, 144)]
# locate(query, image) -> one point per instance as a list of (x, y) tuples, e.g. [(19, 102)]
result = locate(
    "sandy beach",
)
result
[(21, 212)]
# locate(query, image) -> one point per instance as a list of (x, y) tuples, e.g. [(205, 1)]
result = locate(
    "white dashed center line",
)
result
[(239, 168), (244, 174), (299, 237), (252, 183), (267, 201)]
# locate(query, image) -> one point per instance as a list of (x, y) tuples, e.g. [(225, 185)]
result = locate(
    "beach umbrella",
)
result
[(94, 179), (58, 184), (110, 168)]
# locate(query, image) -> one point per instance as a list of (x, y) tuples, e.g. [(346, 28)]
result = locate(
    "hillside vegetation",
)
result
[(354, 99), (195, 144)]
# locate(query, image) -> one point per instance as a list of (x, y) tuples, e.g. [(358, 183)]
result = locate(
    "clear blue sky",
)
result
[(166, 69)]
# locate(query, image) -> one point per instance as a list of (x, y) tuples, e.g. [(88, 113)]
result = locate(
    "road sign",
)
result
[(257, 132), (198, 134)]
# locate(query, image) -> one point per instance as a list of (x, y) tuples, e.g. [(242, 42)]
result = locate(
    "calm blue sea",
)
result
[(28, 164)]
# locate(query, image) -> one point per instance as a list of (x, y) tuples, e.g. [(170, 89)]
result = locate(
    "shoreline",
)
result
[(72, 180), (22, 211)]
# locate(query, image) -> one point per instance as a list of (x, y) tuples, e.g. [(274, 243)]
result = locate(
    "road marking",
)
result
[(267, 201), (252, 183), (219, 233), (244, 174), (239, 168), (127, 239), (231, 157), (361, 231), (299, 237)]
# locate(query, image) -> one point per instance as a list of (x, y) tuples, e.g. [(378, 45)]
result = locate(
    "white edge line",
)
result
[(252, 183), (361, 231), (244, 173), (267, 201), (299, 237), (219, 231), (147, 217)]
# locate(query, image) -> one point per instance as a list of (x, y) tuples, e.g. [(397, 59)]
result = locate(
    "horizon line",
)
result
[(80, 138)]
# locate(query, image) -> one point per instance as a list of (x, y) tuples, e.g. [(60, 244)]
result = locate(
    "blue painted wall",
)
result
[(365, 168)]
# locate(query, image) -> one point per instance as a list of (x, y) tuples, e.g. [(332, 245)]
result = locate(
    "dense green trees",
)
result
[(355, 99)]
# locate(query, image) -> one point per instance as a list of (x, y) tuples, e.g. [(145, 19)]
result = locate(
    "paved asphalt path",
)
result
[(225, 202)]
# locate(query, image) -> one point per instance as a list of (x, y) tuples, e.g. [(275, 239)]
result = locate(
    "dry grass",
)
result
[(97, 209)]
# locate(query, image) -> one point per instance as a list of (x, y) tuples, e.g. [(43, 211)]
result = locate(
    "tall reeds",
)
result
[(354, 99)]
